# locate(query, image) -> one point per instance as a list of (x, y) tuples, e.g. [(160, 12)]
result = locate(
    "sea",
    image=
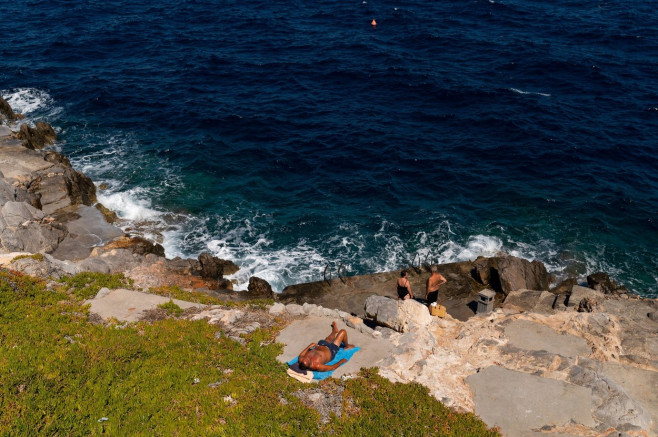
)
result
[(298, 139)]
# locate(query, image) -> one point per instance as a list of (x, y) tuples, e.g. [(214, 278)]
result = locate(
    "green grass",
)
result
[(85, 285), (175, 292), (60, 374), (35, 256), (171, 308)]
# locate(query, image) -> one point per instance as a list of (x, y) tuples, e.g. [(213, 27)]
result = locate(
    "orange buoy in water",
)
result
[(373, 22)]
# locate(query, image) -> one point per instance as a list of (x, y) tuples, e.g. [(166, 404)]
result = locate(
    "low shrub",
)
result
[(34, 256), (175, 292), (86, 284), (62, 375), (171, 308)]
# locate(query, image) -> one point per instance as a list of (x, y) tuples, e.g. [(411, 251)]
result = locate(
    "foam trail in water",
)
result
[(518, 91)]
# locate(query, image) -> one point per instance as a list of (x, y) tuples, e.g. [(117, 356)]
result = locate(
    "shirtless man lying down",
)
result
[(317, 355)]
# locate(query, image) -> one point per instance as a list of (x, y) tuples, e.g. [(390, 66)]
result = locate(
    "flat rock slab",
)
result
[(301, 333), (521, 403), (18, 162), (128, 305), (87, 230), (639, 384), (4, 131), (532, 336)]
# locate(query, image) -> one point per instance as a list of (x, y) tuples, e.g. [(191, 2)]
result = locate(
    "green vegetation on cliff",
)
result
[(62, 375), (86, 284)]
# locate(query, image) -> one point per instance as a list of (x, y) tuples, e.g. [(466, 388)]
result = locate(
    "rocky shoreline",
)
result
[(48, 207), (563, 360)]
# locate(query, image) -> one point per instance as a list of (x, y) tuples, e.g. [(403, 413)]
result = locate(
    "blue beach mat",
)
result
[(341, 354)]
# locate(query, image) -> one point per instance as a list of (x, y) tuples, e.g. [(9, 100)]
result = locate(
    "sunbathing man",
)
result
[(316, 355)]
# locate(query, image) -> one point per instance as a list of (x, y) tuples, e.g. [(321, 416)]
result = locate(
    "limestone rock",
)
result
[(412, 349), (16, 213), (259, 288), (295, 310), (400, 315), (277, 309), (17, 193), (611, 403), (22, 229), (96, 265), (579, 293), (60, 186), (47, 267), (310, 308), (588, 305), (531, 300)]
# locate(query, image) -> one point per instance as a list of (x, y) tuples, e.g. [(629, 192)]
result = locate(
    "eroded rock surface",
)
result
[(556, 373)]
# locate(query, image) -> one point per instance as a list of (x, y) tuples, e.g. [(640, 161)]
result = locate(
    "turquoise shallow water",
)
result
[(287, 136)]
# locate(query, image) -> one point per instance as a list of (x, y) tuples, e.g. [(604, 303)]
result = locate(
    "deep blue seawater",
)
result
[(288, 135)]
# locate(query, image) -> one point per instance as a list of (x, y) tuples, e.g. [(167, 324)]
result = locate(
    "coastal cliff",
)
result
[(582, 359)]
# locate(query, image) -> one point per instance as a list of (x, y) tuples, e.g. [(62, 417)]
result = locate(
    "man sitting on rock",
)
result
[(316, 355)]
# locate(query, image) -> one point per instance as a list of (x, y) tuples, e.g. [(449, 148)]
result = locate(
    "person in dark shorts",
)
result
[(404, 287), (317, 355), (434, 282)]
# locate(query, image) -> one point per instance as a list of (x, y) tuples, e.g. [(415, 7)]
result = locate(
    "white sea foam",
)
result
[(279, 267), (477, 245), (518, 91), (130, 205), (28, 100)]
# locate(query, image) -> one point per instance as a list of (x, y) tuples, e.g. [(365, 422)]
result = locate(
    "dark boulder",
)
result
[(516, 274), (215, 268), (349, 293), (565, 286), (601, 281), (56, 158), (183, 266), (6, 113), (587, 305), (37, 137), (259, 288), (109, 215), (137, 245), (482, 270), (224, 284), (509, 273)]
